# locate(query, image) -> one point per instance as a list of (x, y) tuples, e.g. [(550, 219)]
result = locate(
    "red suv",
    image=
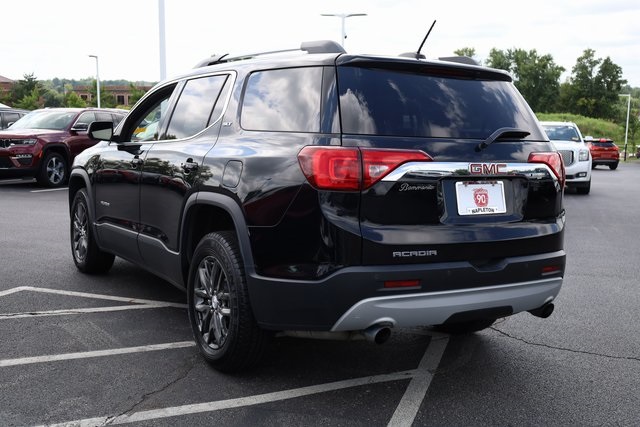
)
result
[(603, 152), (43, 143)]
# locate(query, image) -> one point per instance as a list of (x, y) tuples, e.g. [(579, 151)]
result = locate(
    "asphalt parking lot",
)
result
[(116, 349)]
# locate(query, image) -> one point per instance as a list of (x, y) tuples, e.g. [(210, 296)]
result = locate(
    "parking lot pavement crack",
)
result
[(186, 368), (590, 353)]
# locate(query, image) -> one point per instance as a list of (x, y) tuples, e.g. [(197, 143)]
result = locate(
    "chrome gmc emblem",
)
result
[(487, 168)]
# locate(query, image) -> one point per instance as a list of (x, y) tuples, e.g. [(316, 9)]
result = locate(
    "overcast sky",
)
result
[(54, 38)]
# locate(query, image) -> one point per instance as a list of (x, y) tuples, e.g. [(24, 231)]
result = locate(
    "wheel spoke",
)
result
[(218, 329), (202, 293), (203, 308)]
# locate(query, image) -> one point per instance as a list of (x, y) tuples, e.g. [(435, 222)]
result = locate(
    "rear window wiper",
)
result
[(502, 133)]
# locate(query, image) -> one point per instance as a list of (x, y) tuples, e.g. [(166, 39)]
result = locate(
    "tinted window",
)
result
[(85, 119), (145, 121), (283, 100), (561, 133), (117, 118), (397, 103), (9, 118), (603, 143), (195, 107), (103, 117)]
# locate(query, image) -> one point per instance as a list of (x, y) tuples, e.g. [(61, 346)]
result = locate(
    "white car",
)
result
[(567, 139)]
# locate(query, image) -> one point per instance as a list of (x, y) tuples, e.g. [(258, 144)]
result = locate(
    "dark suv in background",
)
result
[(10, 115), (324, 194), (43, 143)]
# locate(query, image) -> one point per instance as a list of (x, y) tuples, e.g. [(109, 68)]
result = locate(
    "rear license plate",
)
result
[(480, 197)]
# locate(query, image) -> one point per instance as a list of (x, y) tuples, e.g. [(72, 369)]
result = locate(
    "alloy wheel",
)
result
[(212, 303), (80, 238)]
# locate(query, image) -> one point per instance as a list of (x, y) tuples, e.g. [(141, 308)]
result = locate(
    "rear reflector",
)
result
[(352, 168), (551, 269), (401, 283)]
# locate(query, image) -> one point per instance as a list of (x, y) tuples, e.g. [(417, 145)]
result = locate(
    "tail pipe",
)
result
[(544, 311), (377, 334)]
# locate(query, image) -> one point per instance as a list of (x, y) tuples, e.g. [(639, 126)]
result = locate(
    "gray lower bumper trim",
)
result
[(435, 308)]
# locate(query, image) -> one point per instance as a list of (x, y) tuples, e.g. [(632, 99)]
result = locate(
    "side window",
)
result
[(85, 120), (143, 122), (11, 118), (283, 100), (117, 118), (103, 117), (147, 127), (194, 109)]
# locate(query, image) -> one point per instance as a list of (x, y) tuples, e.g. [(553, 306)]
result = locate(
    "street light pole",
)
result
[(626, 129), (162, 41), (342, 17), (97, 78)]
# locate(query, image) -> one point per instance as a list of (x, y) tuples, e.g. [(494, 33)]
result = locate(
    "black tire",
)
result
[(465, 327), (53, 170), (220, 313), (613, 166), (86, 254), (584, 189)]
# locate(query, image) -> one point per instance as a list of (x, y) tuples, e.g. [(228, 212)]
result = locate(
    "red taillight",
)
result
[(352, 168), (553, 160)]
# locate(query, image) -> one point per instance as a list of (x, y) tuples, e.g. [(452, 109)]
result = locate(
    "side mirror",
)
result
[(100, 131)]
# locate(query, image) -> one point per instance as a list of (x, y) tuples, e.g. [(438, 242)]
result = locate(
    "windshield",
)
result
[(43, 119), (561, 133), (414, 104)]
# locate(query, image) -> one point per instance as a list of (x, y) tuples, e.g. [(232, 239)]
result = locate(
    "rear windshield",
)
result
[(385, 102), (603, 143)]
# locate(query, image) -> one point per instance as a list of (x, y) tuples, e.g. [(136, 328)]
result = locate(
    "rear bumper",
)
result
[(605, 161), (437, 307), (354, 298)]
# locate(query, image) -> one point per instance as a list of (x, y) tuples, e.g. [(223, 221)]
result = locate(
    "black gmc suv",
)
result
[(319, 193)]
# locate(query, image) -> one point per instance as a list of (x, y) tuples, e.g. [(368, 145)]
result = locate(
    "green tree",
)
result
[(595, 85), (72, 99), (107, 100), (135, 94), (537, 77), (22, 91), (499, 59), (30, 101)]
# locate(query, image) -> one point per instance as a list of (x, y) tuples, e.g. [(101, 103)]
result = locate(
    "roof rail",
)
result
[(311, 47)]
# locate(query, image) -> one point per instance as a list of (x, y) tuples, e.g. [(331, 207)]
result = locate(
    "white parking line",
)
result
[(49, 189), (90, 295), (404, 414), (237, 403), (409, 406), (80, 311), (97, 353)]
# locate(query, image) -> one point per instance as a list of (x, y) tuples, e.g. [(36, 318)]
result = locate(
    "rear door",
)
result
[(472, 197)]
